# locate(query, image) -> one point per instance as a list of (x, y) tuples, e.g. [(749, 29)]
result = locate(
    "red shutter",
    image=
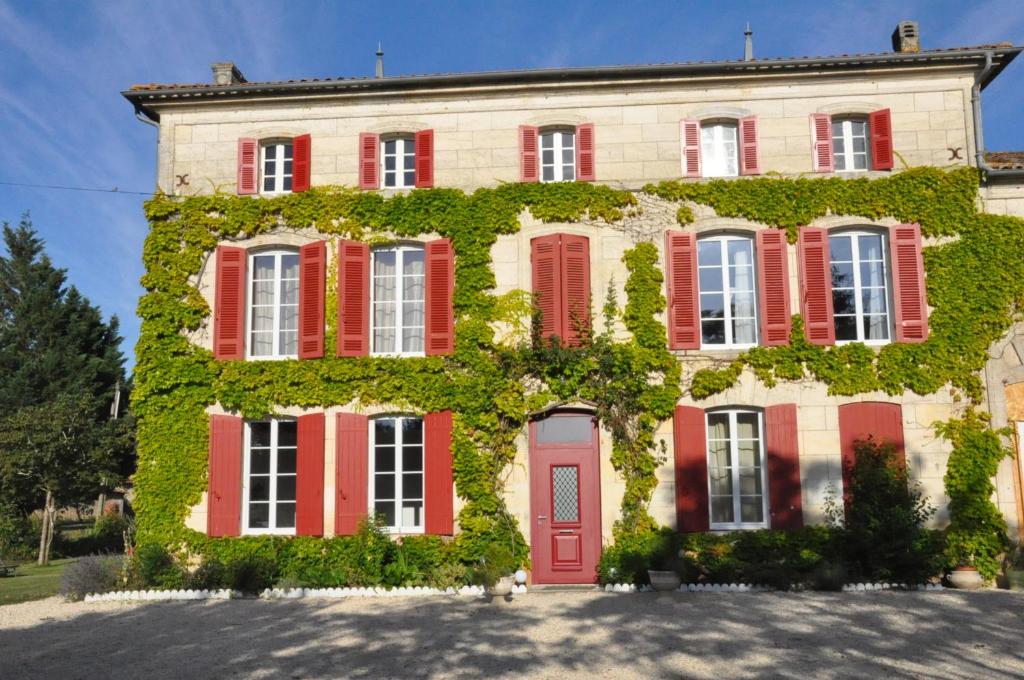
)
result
[(575, 288), (750, 161), (224, 488), (816, 286), (353, 299), (910, 304), (585, 171), (369, 163), (437, 474), (300, 163), (882, 422), (312, 278), (880, 127), (229, 304), (424, 159), (547, 283), (691, 457), (681, 284), (773, 289), (248, 165), (440, 317), (689, 135), (529, 155), (822, 159), (783, 458), (351, 476), (309, 476)]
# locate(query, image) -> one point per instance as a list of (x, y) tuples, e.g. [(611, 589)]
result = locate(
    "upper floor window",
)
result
[(274, 304), (397, 300), (860, 286), (558, 155), (725, 266), (719, 149), (268, 493), (398, 162), (396, 472), (850, 145), (736, 470), (276, 162)]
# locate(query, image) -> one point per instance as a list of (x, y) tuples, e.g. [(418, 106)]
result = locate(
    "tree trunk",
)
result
[(51, 510), (45, 530)]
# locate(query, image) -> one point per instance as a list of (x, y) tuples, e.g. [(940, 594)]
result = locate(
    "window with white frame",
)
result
[(273, 304), (719, 151), (277, 167), (736, 471), (398, 162), (558, 155), (397, 300), (396, 472), (728, 312), (860, 286), (850, 144), (268, 494)]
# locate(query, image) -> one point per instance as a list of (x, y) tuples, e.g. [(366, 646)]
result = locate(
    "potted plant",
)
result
[(1014, 567), (966, 577), (495, 571), (665, 571)]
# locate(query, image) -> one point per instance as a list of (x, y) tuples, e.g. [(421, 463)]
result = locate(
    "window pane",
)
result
[(547, 140), (873, 300), (710, 279), (287, 184), (259, 515), (743, 305), (286, 433), (286, 488), (712, 332), (565, 493), (568, 173), (718, 454), (259, 462), (751, 509), (412, 485), (870, 247), (259, 434), (840, 249), (746, 426), (259, 488), (412, 514), (290, 266), (285, 515), (412, 430), (409, 179), (547, 157), (288, 152), (412, 458), (721, 482), (709, 253), (384, 459), (876, 327), (384, 431), (750, 481), (718, 426), (287, 167), (744, 332), (384, 486), (749, 452), (565, 429), (846, 328), (549, 173), (842, 275), (712, 305), (386, 510), (721, 509), (262, 345)]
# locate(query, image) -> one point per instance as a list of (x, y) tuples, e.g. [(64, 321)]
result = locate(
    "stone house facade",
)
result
[(748, 457)]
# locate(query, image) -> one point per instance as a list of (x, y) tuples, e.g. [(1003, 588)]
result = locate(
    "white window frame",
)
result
[(713, 157), (399, 300), (280, 146), (858, 287), (250, 298), (397, 473), (405, 145), (735, 470), (559, 145), (272, 503), (727, 286), (848, 154)]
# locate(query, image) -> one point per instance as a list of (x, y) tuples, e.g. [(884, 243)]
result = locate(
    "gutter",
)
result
[(147, 118), (980, 81)]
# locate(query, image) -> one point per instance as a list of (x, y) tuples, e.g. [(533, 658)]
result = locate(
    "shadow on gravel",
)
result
[(933, 635)]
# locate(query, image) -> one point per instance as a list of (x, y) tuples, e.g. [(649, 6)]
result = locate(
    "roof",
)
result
[(147, 95), (1005, 160)]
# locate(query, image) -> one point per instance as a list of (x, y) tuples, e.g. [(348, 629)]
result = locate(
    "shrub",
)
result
[(828, 576), (633, 554), (153, 567), (251, 575), (497, 561), (449, 575), (18, 541), (95, 574), (210, 575)]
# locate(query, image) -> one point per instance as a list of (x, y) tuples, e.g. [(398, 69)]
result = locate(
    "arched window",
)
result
[(726, 280), (860, 286), (719, 148), (273, 304), (398, 161), (276, 160), (558, 154), (851, 144), (736, 469), (269, 471), (397, 300), (396, 472)]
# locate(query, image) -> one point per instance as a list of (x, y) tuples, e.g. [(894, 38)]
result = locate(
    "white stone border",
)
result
[(287, 593), (756, 588)]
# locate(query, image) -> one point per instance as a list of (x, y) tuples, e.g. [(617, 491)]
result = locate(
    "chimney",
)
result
[(226, 73), (379, 73), (748, 44), (906, 37)]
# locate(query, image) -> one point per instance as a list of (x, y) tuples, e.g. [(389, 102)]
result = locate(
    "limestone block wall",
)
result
[(1002, 197)]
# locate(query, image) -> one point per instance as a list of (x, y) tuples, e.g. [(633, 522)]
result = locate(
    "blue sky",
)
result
[(63, 64)]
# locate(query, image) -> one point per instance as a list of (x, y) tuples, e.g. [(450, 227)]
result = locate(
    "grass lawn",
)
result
[(32, 582)]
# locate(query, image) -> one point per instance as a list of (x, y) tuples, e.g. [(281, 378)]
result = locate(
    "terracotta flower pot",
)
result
[(966, 578), (664, 580)]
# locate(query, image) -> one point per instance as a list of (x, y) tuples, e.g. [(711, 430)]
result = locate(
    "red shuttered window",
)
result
[(561, 286), (880, 124), (353, 299), (529, 154), (821, 150), (369, 163), (585, 171), (248, 165), (424, 158), (750, 160), (816, 286), (439, 322), (309, 476), (301, 163), (224, 489), (351, 481), (783, 461), (312, 280), (880, 422), (773, 288), (229, 304), (681, 285), (437, 470), (691, 469), (910, 303), (689, 137)]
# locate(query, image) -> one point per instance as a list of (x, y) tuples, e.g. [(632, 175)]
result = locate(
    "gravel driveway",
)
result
[(554, 635)]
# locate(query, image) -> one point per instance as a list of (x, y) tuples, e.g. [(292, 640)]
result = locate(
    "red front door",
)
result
[(565, 498)]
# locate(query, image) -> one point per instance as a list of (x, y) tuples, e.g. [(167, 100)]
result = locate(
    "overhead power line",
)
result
[(115, 190)]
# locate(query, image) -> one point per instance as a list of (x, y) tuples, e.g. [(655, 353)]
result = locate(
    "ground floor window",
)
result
[(269, 491), (736, 469), (396, 472)]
